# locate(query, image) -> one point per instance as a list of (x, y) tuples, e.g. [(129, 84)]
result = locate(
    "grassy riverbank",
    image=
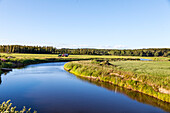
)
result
[(43, 56), (21, 60), (149, 83)]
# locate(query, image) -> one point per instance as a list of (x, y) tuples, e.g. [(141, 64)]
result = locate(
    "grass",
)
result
[(155, 73), (144, 81), (6, 107), (111, 56), (21, 60), (43, 56), (153, 68)]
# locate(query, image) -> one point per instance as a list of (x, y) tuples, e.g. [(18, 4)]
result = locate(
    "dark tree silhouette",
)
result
[(84, 51)]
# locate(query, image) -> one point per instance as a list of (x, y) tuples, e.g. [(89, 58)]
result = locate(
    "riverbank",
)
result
[(18, 63), (113, 75), (15, 60), (43, 56), (140, 97), (21, 60)]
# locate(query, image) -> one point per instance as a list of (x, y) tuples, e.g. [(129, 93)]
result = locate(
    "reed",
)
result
[(6, 107)]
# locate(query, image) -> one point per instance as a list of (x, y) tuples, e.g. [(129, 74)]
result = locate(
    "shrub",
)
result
[(6, 64)]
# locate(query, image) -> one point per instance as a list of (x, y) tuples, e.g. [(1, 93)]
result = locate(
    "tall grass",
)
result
[(6, 107)]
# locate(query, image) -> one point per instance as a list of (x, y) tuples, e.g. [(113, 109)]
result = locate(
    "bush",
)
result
[(6, 64)]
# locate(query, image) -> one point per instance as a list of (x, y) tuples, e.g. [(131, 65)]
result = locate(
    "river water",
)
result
[(48, 88)]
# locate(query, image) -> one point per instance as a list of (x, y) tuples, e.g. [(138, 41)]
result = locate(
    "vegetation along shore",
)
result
[(149, 77), (21, 60), (6, 107), (140, 97)]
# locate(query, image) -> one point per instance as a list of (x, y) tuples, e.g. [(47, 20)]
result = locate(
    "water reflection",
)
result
[(142, 59), (5, 73), (140, 97)]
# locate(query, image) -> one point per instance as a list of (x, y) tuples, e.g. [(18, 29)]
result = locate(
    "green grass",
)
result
[(155, 73), (154, 68), (111, 56), (42, 56), (21, 60)]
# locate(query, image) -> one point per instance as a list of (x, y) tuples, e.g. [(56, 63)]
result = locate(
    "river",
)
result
[(48, 88)]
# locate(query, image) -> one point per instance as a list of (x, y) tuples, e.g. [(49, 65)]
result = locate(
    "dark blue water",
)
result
[(48, 88)]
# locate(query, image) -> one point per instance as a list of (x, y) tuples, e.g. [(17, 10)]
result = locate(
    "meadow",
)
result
[(152, 72), (43, 56), (154, 68)]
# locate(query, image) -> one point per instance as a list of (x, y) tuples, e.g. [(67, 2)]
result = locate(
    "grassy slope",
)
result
[(148, 84)]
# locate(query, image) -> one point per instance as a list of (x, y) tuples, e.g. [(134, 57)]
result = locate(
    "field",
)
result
[(152, 72), (43, 56), (154, 68)]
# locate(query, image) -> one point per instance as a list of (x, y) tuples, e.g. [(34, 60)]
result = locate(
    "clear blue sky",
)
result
[(86, 23)]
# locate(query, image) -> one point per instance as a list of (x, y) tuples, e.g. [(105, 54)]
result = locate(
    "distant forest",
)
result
[(84, 51)]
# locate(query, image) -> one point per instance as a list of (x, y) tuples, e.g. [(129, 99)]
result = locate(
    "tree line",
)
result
[(84, 51)]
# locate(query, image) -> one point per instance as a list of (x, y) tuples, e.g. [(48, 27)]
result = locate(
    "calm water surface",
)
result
[(48, 88)]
